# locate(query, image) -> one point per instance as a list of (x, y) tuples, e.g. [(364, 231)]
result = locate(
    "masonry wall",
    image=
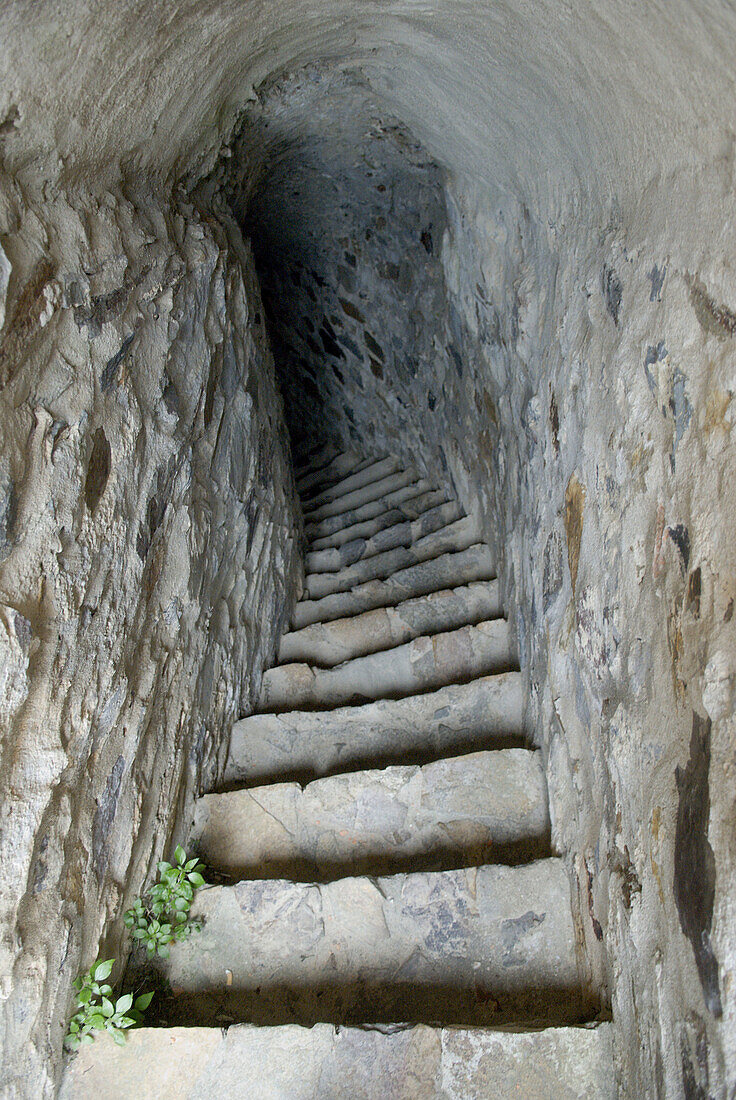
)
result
[(146, 561), (596, 443)]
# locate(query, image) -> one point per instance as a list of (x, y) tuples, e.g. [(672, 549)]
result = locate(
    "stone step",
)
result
[(447, 571), (401, 533), (400, 513), (303, 745), (424, 664), (331, 643), (483, 807), (376, 491), (478, 945), (325, 1062), (358, 479), (330, 469), (454, 537), (374, 508), (309, 484)]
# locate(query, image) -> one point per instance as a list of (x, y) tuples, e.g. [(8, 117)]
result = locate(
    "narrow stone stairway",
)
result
[(391, 920)]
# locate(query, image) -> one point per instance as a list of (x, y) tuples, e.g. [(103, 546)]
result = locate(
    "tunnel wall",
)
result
[(596, 446), (146, 557)]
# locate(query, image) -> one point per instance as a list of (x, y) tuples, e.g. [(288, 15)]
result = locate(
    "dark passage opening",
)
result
[(346, 212)]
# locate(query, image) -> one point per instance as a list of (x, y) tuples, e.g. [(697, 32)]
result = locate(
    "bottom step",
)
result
[(329, 1063)]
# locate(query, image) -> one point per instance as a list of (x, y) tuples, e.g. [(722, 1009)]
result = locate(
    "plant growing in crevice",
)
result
[(161, 917), (156, 920), (97, 1011)]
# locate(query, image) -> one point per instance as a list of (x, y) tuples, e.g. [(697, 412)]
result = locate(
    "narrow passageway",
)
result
[(366, 460), (391, 895)]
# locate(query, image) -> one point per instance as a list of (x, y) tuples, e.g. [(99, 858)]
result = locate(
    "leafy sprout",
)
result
[(156, 920), (97, 1011), (161, 917)]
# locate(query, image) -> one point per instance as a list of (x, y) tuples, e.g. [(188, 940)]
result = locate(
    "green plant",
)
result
[(96, 1011), (162, 916)]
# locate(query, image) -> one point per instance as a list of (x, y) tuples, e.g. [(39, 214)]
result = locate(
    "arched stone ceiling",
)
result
[(534, 97)]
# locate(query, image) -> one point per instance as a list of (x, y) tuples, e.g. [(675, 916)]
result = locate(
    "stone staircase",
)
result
[(392, 921)]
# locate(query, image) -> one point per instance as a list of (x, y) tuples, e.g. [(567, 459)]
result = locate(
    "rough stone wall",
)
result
[(596, 440), (346, 229), (146, 557)]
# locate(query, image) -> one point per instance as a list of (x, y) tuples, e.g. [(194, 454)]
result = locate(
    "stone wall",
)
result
[(596, 440), (146, 560), (346, 229)]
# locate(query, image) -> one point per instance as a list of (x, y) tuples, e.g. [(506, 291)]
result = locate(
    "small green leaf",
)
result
[(107, 1006), (72, 1042), (163, 951), (96, 1021), (123, 1003), (84, 995), (163, 866), (103, 970), (143, 1001), (180, 855), (139, 933), (191, 864), (195, 878), (119, 1038)]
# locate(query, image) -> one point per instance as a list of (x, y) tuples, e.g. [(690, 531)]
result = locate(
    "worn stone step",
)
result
[(490, 944), (303, 745), (331, 469), (328, 526), (404, 512), (477, 563), (331, 643), (480, 808), (352, 501), (357, 479), (424, 664), (403, 532), (454, 537), (326, 1062)]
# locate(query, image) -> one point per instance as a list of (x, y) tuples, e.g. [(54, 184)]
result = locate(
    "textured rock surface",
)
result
[(326, 644), (482, 807), (554, 332), (323, 1063), (490, 944), (145, 563), (311, 743)]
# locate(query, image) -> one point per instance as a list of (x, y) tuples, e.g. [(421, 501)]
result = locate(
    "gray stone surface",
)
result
[(367, 475), (508, 231), (396, 513), (326, 644), (311, 478), (402, 533), (454, 537), (424, 664), (328, 1063), (373, 508), (352, 502), (147, 521), (489, 944), (477, 563), (484, 807), (486, 712)]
